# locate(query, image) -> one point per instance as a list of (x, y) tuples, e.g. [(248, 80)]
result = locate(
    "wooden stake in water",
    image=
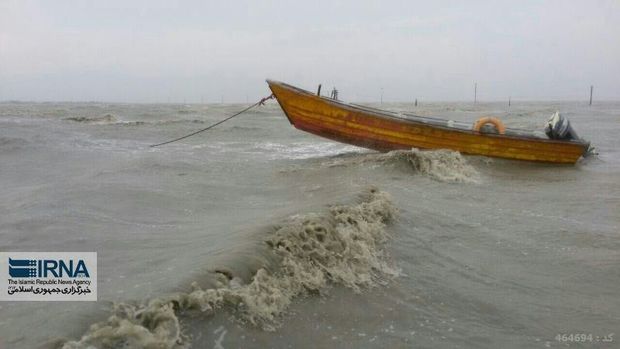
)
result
[(509, 101), (591, 89), (475, 92)]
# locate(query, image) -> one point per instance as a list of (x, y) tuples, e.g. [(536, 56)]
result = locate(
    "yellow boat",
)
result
[(384, 130)]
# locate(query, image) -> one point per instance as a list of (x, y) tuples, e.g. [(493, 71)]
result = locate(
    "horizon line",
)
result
[(494, 101)]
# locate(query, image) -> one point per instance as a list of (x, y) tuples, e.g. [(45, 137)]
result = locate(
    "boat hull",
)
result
[(379, 131)]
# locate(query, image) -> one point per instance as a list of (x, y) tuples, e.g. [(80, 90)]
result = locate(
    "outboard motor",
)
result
[(558, 127)]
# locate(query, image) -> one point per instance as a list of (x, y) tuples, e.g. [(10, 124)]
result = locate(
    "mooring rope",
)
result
[(261, 102)]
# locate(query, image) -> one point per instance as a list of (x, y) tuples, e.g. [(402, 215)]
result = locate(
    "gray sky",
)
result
[(160, 51)]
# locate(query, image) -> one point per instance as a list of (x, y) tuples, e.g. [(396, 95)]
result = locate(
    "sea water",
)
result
[(256, 235)]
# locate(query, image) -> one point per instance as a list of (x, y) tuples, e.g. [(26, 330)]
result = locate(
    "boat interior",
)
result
[(459, 125)]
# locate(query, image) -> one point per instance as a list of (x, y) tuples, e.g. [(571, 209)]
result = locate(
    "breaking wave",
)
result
[(441, 165), (311, 251)]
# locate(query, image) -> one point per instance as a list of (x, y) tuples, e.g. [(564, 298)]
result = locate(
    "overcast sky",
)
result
[(169, 51)]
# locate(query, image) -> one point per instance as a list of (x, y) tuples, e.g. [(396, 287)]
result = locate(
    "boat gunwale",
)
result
[(385, 114)]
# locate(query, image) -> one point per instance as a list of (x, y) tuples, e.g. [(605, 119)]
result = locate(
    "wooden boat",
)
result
[(384, 130)]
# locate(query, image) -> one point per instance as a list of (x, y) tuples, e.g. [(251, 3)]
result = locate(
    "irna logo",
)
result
[(46, 268)]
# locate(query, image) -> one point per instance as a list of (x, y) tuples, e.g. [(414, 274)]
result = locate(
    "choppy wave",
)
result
[(104, 119), (242, 128), (174, 122), (159, 122), (341, 246), (441, 165), (110, 119), (12, 143), (304, 150)]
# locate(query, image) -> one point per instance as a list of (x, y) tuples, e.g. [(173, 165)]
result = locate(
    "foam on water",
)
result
[(280, 151), (341, 246), (440, 165), (304, 150)]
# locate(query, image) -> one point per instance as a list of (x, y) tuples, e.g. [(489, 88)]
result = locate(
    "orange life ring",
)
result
[(501, 129)]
